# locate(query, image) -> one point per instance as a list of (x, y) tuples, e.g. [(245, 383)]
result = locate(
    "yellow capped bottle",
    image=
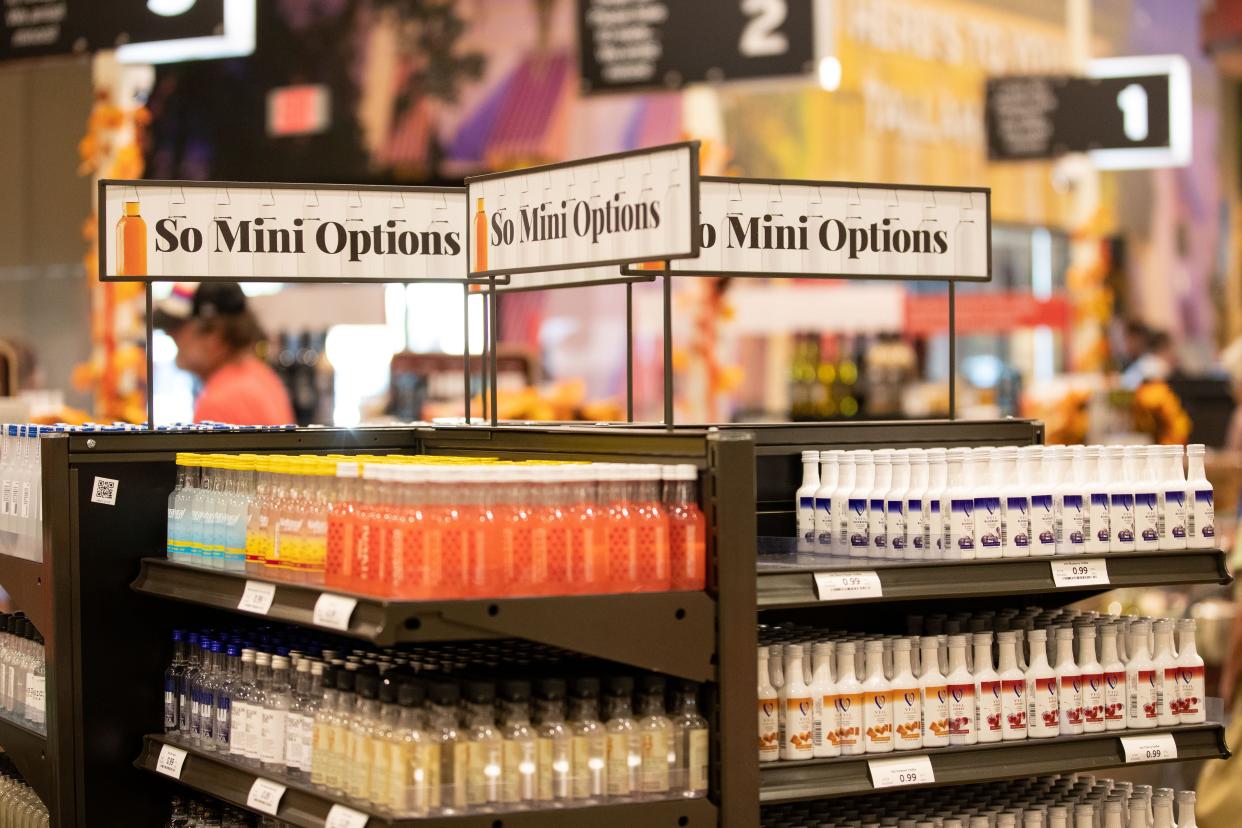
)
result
[(131, 242)]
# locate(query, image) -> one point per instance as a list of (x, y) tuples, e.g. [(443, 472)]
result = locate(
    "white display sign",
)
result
[(265, 796), (257, 597), (342, 817), (170, 761), (848, 586), (1158, 747), (334, 611), (198, 231), (901, 771), (762, 227), (1080, 573), (610, 210)]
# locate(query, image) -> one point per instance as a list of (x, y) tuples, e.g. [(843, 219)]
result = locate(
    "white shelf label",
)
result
[(257, 597), (265, 796), (1155, 748), (1080, 573), (170, 761), (342, 817), (334, 611), (845, 586), (901, 771)]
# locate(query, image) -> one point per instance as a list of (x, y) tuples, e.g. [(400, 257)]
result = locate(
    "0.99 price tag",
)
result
[(265, 796), (170, 761), (257, 597), (334, 611), (342, 817), (848, 586), (898, 772), (1158, 747), (1080, 573)]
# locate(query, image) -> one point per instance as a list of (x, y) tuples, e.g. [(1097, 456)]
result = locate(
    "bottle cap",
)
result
[(345, 681), (516, 691), (550, 689), (480, 692), (367, 685), (445, 693), (652, 683), (810, 457), (621, 686), (586, 687)]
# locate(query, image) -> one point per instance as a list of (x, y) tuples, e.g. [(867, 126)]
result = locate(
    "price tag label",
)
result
[(847, 586), (257, 597), (265, 796), (170, 761), (1080, 573), (342, 817), (901, 771), (334, 611), (1158, 747)]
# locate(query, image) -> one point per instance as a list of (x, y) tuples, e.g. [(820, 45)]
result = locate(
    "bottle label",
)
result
[(653, 776), (859, 524), (988, 522), (589, 758), (298, 741), (1043, 712), (1071, 700), (1072, 528), (1146, 518), (484, 764), (237, 739), (622, 763), (769, 728), (1203, 520), (799, 725), (990, 713), (895, 527), (555, 766), (908, 717), (806, 518), (961, 709), (427, 789), (224, 722), (1099, 518), (1013, 706), (170, 709), (935, 712), (272, 736), (1121, 517), (1173, 515), (1144, 691), (1169, 704), (878, 526), (823, 522), (1093, 698), (849, 718), (878, 718), (1017, 526), (1115, 696), (1190, 691), (1043, 523), (696, 760), (916, 525), (36, 696), (521, 770), (962, 525)]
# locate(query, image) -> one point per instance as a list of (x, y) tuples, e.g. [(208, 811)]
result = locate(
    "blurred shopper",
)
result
[(216, 334), (1156, 363), (1231, 361)]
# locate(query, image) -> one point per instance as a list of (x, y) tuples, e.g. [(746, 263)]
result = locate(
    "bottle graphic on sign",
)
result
[(131, 242), (480, 237)]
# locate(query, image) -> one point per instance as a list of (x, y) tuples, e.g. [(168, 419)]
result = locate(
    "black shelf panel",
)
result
[(786, 579), (668, 632), (27, 749), (306, 806), (24, 581), (849, 775)]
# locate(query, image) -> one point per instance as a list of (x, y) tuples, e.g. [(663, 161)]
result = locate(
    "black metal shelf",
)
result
[(306, 806), (669, 632), (27, 748), (786, 579), (23, 580), (849, 775)]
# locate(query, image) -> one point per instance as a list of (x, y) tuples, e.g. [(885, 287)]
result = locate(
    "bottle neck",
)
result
[(930, 659), (957, 657), (584, 710), (1008, 654), (901, 477), (810, 474), (983, 656), (1039, 653), (517, 713), (864, 476), (764, 675), (620, 707), (1108, 647), (1065, 651), (1164, 643), (901, 662), (652, 704), (551, 711), (1194, 467), (1086, 649), (1186, 646), (918, 476), (875, 665), (793, 668), (828, 474), (845, 665), (883, 477), (689, 704)]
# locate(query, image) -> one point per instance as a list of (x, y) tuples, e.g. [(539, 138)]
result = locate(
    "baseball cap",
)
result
[(201, 300)]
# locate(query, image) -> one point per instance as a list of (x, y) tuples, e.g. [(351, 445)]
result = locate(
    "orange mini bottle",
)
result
[(620, 529), (587, 545), (480, 237), (511, 508), (485, 566), (341, 523), (131, 242), (448, 536), (687, 529), (413, 576), (552, 540), (651, 534)]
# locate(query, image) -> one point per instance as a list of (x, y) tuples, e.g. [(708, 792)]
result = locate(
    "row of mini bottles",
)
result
[(825, 693), (204, 812), (966, 503), (23, 672), (20, 806), (434, 527), (381, 735), (1062, 801), (21, 491)]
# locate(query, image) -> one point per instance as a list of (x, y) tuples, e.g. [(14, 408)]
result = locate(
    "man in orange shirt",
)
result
[(216, 335)]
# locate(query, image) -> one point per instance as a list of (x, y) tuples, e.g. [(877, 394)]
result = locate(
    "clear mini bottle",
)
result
[(554, 742), (690, 744), (484, 746), (274, 716), (624, 744), (590, 742), (520, 758), (173, 678), (414, 757), (450, 741), (321, 730), (655, 733)]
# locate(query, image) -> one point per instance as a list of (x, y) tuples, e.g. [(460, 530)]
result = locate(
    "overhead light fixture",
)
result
[(237, 40)]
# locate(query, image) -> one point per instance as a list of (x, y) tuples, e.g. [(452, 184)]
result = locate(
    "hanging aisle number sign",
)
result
[(630, 207), (769, 227), (204, 230)]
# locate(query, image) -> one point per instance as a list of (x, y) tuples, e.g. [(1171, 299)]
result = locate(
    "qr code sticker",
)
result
[(104, 491)]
